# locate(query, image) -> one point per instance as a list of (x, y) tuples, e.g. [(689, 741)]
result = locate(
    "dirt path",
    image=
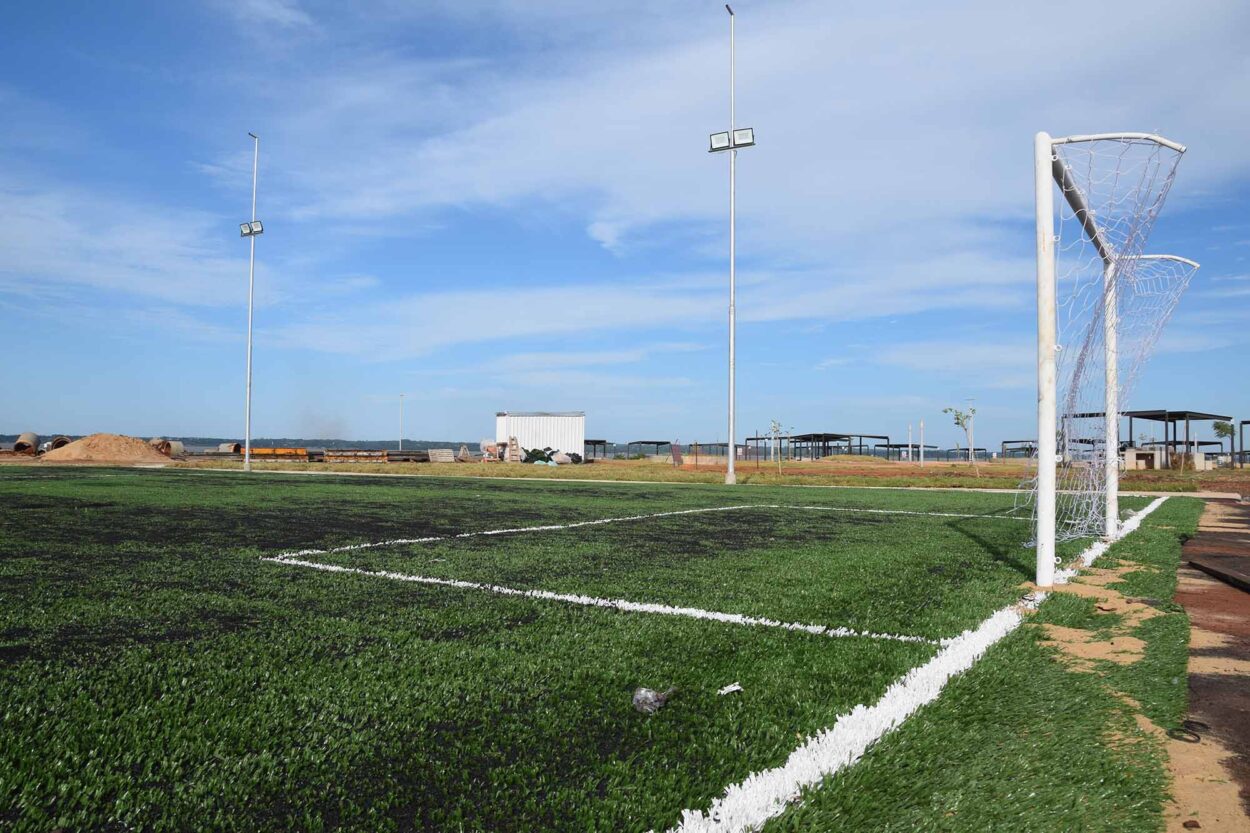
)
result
[(1211, 777)]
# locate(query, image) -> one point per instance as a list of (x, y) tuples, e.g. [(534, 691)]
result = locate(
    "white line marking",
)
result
[(747, 805), (600, 521), (1097, 549), (514, 530), (906, 512), (612, 604)]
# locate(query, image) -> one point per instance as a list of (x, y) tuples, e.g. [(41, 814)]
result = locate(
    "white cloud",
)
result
[(286, 14)]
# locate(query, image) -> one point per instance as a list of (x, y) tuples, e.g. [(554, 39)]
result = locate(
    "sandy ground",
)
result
[(1204, 764), (105, 448), (1212, 776)]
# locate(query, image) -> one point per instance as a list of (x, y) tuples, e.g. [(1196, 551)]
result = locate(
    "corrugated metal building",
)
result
[(564, 431)]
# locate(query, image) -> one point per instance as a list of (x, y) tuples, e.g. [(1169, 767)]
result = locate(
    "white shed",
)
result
[(564, 431)]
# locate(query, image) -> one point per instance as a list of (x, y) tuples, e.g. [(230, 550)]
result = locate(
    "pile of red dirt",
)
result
[(106, 448)]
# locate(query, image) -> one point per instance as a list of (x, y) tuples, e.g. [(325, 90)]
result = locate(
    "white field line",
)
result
[(600, 521), (748, 804), (514, 530), (611, 604), (905, 512), (1097, 549)]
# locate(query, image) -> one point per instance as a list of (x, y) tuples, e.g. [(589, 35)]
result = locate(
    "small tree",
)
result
[(1225, 430), (777, 432), (964, 420)]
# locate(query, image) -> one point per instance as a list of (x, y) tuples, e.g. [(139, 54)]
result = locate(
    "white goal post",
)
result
[(1100, 299)]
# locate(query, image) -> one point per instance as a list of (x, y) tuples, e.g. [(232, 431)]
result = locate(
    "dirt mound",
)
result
[(106, 448)]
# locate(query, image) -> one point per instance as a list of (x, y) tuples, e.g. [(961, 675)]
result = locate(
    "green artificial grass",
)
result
[(1159, 680), (1021, 742), (1017, 743), (159, 675)]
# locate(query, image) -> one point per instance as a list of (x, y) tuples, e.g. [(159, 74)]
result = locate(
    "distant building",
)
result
[(564, 431)]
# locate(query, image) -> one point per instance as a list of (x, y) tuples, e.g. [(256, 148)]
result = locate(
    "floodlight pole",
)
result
[(730, 476), (909, 446), (922, 443), (1043, 153), (251, 285)]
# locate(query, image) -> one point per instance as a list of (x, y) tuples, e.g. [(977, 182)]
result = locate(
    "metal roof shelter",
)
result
[(893, 449), (1028, 448), (962, 453), (824, 444), (657, 444), (714, 449), (1169, 418), (595, 448), (1241, 457), (816, 445)]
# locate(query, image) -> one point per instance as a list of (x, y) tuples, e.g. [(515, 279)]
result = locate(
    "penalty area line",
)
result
[(750, 803), (515, 530), (609, 604), (429, 539)]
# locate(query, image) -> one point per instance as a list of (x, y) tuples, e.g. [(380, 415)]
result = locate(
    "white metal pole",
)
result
[(922, 443), (909, 448), (730, 476), (251, 286), (1043, 151), (972, 442), (401, 422), (1111, 439)]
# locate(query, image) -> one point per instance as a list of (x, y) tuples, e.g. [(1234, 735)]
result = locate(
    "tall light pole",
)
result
[(922, 443), (730, 141), (251, 230), (401, 422)]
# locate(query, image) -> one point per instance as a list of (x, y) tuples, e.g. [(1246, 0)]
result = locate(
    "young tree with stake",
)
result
[(777, 432), (964, 420)]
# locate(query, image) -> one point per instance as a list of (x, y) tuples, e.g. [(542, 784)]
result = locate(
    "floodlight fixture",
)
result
[(251, 229), (718, 142), (245, 229), (743, 137)]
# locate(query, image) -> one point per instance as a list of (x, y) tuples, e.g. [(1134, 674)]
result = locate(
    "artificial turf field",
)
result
[(193, 650)]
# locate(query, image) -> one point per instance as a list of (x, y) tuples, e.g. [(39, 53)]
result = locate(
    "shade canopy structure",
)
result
[(698, 450), (656, 444), (962, 453), (1018, 448), (768, 447), (595, 448), (823, 444), (1241, 455), (1171, 420), (893, 450)]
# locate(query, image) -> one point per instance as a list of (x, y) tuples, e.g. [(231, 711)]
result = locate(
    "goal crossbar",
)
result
[(1100, 137)]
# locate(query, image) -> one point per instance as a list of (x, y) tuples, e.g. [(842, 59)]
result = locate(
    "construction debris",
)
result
[(106, 448), (649, 701)]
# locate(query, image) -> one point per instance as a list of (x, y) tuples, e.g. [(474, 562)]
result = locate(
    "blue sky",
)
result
[(494, 205)]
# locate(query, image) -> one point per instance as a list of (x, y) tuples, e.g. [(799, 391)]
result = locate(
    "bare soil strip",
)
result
[(1212, 776)]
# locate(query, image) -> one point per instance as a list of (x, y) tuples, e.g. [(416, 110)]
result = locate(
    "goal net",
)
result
[(1102, 302)]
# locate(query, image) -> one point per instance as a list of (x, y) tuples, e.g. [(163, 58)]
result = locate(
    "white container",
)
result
[(564, 431)]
